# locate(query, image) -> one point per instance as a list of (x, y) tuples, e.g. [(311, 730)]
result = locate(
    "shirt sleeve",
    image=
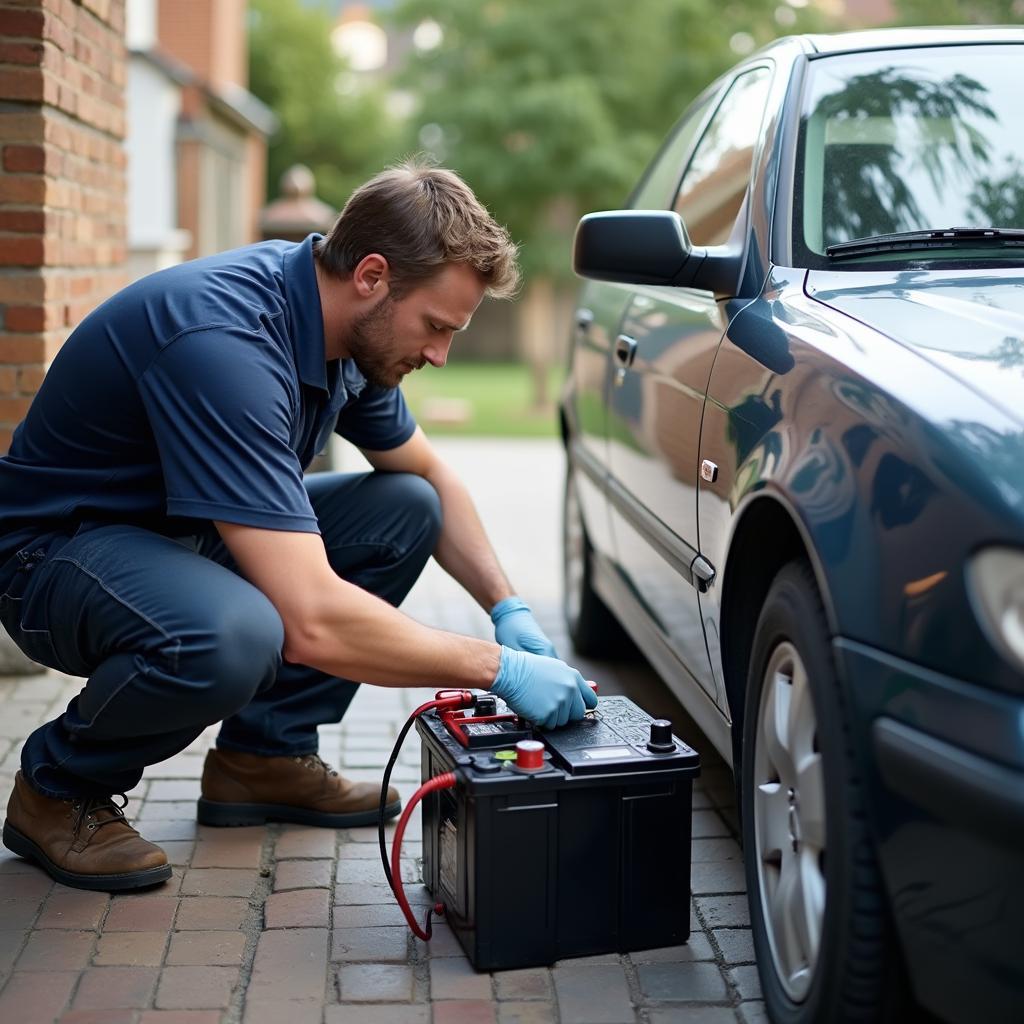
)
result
[(377, 420), (221, 405)]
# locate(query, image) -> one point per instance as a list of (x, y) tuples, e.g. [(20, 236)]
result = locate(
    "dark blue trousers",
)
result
[(173, 639)]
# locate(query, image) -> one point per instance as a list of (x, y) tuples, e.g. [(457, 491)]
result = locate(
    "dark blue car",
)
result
[(795, 433)]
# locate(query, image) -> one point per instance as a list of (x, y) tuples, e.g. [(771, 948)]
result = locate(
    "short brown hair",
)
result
[(419, 218)]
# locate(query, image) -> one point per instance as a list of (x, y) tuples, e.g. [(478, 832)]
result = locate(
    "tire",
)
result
[(825, 948), (593, 629)]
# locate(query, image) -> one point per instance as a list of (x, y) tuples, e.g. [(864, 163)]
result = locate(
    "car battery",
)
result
[(559, 843)]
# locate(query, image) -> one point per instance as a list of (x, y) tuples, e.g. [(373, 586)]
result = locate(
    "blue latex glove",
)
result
[(545, 690), (515, 627)]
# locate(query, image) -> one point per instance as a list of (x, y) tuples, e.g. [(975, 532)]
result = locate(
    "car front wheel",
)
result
[(824, 946)]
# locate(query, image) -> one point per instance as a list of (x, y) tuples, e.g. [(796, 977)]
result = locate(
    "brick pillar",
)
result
[(62, 181)]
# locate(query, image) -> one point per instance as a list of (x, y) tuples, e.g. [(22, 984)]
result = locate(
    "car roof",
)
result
[(903, 38)]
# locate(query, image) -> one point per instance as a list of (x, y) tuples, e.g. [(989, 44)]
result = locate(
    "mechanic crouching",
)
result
[(157, 535)]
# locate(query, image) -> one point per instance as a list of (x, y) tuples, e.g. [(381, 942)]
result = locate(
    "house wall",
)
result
[(62, 181)]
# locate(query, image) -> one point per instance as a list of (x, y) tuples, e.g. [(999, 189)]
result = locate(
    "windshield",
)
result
[(909, 140)]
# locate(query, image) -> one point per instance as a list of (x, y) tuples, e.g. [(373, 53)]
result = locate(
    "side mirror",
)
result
[(650, 247)]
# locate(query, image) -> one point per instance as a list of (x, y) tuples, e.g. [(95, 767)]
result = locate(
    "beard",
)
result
[(371, 345)]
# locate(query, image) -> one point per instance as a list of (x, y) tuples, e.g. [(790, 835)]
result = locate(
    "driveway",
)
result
[(289, 925)]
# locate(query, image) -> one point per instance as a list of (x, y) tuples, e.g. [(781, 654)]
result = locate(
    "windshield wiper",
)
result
[(946, 238)]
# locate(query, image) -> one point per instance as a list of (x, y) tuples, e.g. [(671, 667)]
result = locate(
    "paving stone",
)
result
[(378, 915), (694, 982), (198, 949), (736, 944), (24, 999), (103, 987), (693, 1015), (595, 994), (371, 872), (165, 810), (454, 978), (107, 1016), (310, 1012), (370, 945), (717, 876), (302, 874), (11, 941), (598, 959), (300, 908), (25, 885), (20, 914), (530, 983), (211, 913), (73, 908), (702, 850), (140, 914), (132, 949), (178, 829), (376, 983), (180, 1016), (290, 966), (706, 824), (12, 864), (746, 981), (464, 1011), (442, 943), (724, 911), (361, 895), (218, 882), (697, 948), (196, 988), (753, 1013), (178, 852), (56, 951), (305, 842), (173, 789), (365, 1014), (526, 1013)]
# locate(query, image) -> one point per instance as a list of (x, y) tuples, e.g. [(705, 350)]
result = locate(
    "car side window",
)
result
[(659, 183), (716, 180)]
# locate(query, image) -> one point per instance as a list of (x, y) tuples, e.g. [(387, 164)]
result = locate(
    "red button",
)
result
[(529, 754)]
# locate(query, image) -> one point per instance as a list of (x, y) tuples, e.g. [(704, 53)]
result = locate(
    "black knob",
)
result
[(661, 741), (486, 706)]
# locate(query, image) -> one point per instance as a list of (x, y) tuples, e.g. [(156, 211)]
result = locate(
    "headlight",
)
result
[(996, 579)]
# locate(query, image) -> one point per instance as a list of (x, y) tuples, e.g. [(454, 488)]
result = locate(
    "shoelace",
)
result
[(85, 812), (315, 761)]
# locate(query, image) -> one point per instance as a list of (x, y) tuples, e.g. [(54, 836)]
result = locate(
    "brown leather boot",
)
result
[(249, 789), (86, 843)]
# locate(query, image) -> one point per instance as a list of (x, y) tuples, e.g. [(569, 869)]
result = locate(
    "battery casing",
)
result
[(589, 855)]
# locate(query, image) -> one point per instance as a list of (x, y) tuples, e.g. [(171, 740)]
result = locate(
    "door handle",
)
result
[(625, 349), (584, 318)]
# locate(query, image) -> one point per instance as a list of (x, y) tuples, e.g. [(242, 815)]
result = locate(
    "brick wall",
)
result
[(62, 181)]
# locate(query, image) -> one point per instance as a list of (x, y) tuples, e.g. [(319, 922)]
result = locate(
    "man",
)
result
[(157, 535)]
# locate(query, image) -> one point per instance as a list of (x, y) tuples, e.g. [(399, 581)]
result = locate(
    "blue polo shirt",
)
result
[(200, 392)]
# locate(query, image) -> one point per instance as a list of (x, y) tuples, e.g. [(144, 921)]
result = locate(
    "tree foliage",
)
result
[(343, 136), (960, 12), (550, 109)]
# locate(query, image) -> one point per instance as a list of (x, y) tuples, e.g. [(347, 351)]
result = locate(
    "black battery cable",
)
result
[(393, 870)]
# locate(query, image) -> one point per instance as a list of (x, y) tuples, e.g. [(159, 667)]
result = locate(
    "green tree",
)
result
[(551, 109), (960, 12), (343, 133)]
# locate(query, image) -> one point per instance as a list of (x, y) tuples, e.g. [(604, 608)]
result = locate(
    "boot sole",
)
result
[(222, 815), (24, 847)]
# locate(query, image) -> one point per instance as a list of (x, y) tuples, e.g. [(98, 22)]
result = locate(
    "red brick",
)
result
[(26, 221), (463, 1011), (97, 1017), (5, 446), (196, 988), (27, 159), (305, 842), (34, 885), (56, 951), (69, 908), (28, 348), (21, 53), (199, 949), (22, 252), (23, 84), (21, 24), (140, 914), (13, 410), (113, 987), (30, 378), (302, 874), (180, 1017), (289, 965), (8, 379), (130, 949), (301, 908), (218, 882), (21, 127), (211, 913), (24, 188), (25, 999)]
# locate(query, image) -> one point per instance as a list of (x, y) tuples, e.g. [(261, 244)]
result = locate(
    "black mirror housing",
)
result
[(649, 247)]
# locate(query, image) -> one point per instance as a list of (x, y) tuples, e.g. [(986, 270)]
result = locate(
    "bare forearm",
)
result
[(463, 550), (357, 636)]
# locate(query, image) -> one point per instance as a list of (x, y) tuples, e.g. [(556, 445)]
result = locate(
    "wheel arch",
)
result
[(765, 515)]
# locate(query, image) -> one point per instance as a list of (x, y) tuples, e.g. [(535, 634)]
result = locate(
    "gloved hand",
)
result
[(545, 690), (515, 627)]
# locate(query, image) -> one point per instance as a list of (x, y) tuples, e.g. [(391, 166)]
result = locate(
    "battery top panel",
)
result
[(616, 736)]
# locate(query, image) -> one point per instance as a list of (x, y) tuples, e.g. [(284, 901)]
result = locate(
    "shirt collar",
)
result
[(305, 313)]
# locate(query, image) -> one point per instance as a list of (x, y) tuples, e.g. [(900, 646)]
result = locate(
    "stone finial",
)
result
[(298, 211)]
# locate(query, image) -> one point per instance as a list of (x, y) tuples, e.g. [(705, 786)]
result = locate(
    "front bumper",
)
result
[(944, 764)]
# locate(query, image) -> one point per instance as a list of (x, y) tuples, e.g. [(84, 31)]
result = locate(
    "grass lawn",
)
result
[(482, 400)]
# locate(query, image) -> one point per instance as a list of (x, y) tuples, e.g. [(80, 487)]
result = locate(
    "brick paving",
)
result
[(289, 925)]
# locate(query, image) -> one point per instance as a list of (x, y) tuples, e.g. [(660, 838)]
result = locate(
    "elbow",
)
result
[(305, 642)]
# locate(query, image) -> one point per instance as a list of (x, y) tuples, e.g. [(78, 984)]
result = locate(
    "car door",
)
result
[(661, 363), (597, 319)]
